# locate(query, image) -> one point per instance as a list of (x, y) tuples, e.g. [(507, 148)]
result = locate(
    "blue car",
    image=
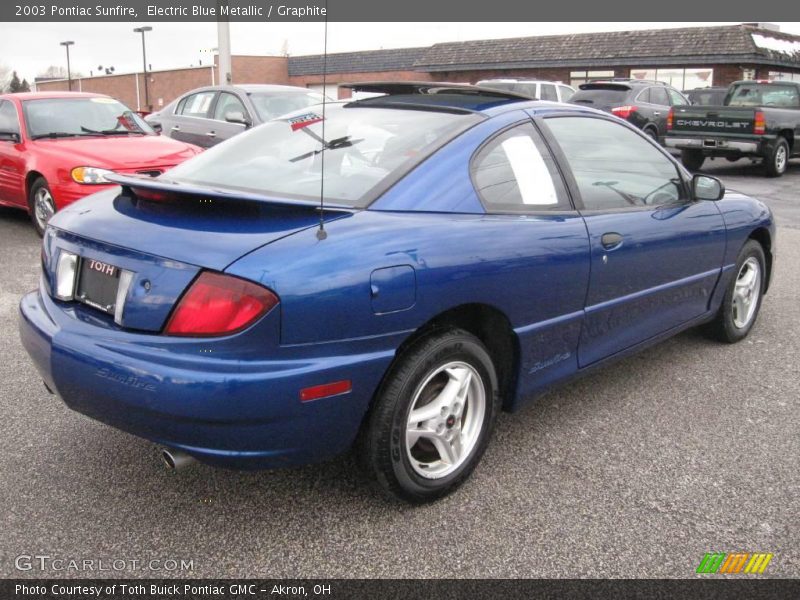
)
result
[(386, 274)]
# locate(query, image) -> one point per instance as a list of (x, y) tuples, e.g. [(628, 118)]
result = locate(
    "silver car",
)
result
[(208, 115)]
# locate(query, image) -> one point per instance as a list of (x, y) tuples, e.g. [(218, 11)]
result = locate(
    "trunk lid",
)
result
[(165, 241), (713, 120)]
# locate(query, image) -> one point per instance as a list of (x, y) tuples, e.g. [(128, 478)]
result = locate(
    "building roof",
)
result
[(686, 45), (370, 61)]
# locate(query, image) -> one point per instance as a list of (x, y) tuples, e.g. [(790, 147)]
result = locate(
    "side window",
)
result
[(658, 95), (644, 95), (196, 105), (226, 104), (614, 166), (9, 122), (514, 172), (549, 92), (566, 92), (677, 99)]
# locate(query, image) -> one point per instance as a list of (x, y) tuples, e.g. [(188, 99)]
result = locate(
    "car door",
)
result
[(656, 254), (12, 160), (659, 108), (227, 105), (528, 211), (192, 117)]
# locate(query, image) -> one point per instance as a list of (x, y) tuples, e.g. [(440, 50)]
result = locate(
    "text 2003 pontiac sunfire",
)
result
[(477, 248)]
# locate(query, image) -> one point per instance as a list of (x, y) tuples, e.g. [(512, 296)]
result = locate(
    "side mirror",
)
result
[(237, 116), (10, 136), (705, 187), (156, 127)]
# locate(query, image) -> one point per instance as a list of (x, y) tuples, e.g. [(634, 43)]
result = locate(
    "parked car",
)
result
[(707, 96), (474, 249), (554, 91), (758, 119), (58, 147), (641, 102), (209, 115)]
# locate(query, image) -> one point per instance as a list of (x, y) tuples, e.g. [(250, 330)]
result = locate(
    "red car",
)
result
[(56, 148)]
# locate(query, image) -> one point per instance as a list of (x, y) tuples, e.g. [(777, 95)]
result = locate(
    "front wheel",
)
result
[(777, 160), (692, 159), (742, 301), (41, 205), (432, 418)]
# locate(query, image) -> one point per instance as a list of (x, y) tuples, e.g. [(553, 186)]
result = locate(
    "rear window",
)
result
[(600, 95), (366, 149), (763, 94)]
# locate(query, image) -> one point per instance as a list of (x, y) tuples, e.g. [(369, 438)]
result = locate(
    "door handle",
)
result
[(611, 240), (175, 128), (657, 113), (212, 134)]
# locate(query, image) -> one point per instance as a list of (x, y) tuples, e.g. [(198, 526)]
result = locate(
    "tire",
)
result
[(427, 376), (692, 159), (41, 205), (652, 134), (777, 160), (736, 315)]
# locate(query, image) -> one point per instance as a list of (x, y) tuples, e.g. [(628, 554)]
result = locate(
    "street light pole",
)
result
[(69, 72), (142, 30)]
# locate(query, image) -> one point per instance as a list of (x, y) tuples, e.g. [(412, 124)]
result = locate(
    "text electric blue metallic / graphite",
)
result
[(477, 248)]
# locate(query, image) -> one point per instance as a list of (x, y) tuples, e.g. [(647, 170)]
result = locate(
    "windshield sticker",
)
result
[(303, 121)]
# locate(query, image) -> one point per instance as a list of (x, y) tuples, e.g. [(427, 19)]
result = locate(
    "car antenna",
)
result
[(321, 233)]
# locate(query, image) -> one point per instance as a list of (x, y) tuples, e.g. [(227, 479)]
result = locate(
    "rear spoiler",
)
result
[(136, 184)]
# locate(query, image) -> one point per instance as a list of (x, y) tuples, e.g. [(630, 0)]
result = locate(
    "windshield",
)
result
[(365, 149), (271, 106), (763, 94), (68, 117), (526, 89)]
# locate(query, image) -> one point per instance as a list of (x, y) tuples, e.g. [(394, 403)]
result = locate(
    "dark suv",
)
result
[(642, 102)]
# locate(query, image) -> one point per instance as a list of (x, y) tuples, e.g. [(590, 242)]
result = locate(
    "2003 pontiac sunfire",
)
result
[(477, 248)]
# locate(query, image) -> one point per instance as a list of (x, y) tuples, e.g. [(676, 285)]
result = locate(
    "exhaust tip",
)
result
[(175, 459)]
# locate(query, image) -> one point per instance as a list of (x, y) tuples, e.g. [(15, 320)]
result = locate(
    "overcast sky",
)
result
[(30, 48)]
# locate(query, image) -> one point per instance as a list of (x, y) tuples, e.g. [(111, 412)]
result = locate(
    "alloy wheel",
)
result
[(445, 420)]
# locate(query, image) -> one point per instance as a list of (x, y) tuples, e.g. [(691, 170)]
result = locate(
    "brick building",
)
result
[(687, 57)]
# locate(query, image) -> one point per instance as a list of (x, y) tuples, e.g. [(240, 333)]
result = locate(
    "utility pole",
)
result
[(143, 30), (69, 72), (224, 45)]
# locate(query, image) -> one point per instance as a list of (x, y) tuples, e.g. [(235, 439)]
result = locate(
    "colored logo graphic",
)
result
[(736, 562)]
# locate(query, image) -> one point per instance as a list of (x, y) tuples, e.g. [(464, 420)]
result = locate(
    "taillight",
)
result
[(760, 124), (670, 117), (624, 112), (218, 304)]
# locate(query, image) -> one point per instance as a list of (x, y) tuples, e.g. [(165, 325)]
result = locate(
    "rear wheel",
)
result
[(777, 160), (652, 133), (742, 301), (433, 417), (41, 205), (692, 159)]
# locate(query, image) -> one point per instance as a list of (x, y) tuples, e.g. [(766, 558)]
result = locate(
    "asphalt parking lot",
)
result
[(636, 471)]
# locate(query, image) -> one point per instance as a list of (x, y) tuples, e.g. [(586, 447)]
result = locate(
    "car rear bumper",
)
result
[(713, 145), (223, 410)]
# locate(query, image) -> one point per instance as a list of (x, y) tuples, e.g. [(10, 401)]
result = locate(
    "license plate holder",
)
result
[(98, 283)]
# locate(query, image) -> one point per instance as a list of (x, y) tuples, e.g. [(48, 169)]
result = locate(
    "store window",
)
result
[(681, 79), (578, 77), (784, 76)]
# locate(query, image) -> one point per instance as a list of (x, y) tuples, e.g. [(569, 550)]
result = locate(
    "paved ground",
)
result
[(636, 471)]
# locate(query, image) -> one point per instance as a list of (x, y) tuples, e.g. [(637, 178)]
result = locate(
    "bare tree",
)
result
[(5, 76)]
